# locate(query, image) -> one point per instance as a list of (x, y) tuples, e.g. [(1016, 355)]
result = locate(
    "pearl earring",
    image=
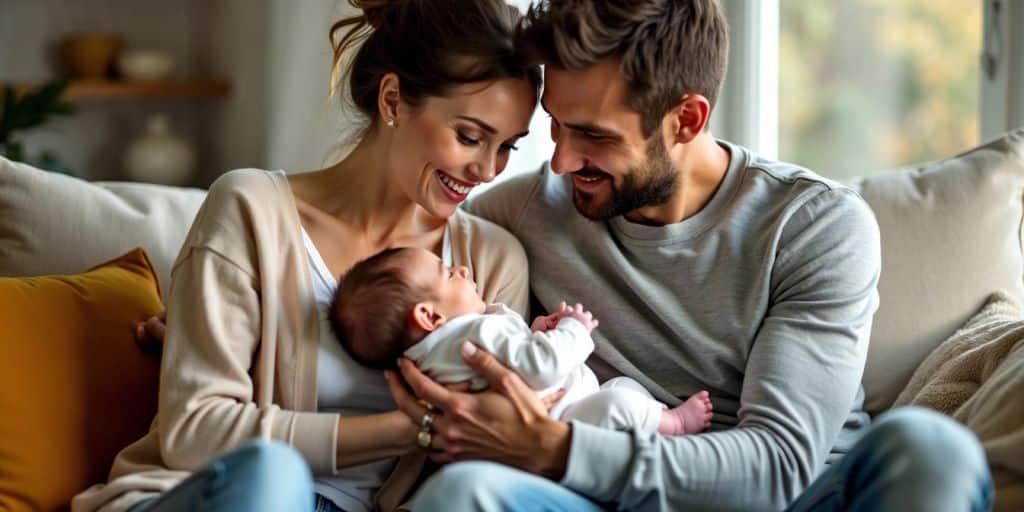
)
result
[(391, 123)]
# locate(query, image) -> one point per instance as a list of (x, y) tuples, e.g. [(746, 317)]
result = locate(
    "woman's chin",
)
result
[(441, 209)]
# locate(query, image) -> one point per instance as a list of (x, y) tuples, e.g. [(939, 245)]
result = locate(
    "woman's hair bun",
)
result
[(376, 11)]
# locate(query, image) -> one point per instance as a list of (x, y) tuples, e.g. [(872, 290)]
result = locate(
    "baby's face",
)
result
[(456, 293)]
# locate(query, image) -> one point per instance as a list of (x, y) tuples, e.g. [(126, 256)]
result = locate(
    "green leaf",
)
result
[(6, 113)]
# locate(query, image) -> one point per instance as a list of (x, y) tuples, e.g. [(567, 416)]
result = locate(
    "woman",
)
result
[(248, 354)]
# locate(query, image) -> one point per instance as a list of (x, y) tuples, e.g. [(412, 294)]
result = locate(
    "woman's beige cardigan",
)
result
[(239, 361)]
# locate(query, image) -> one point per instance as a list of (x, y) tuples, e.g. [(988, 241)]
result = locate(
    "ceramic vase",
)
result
[(159, 156)]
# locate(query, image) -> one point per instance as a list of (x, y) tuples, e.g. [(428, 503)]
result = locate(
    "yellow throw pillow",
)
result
[(74, 388)]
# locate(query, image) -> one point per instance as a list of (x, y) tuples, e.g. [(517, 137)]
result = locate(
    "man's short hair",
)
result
[(370, 311), (667, 48)]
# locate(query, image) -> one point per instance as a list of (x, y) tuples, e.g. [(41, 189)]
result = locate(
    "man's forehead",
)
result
[(598, 90), (592, 97)]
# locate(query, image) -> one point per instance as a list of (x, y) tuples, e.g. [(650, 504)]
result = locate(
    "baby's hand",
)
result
[(548, 322), (584, 317), (542, 323)]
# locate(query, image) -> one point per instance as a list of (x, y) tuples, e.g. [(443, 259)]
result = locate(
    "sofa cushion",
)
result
[(55, 224), (951, 236), (74, 388)]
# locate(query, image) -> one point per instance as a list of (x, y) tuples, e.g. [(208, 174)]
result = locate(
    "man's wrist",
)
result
[(556, 440)]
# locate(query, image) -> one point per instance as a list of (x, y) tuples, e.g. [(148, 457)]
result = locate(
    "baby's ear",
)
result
[(425, 316)]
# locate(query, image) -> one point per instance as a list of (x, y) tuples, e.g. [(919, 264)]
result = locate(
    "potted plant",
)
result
[(20, 112)]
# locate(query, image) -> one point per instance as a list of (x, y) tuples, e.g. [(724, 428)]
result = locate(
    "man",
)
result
[(709, 268)]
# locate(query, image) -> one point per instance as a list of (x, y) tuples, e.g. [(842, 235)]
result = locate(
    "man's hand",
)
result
[(506, 423)]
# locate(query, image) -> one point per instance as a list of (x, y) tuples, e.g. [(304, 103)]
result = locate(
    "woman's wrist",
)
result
[(405, 431), (363, 439)]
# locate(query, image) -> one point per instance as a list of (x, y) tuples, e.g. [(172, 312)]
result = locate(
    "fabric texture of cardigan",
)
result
[(239, 360)]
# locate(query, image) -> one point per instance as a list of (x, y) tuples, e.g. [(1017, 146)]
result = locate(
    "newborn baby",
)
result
[(406, 302)]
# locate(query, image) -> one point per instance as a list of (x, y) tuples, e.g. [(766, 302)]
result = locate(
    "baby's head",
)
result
[(392, 300)]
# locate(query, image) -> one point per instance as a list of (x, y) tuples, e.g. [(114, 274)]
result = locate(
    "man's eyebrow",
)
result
[(589, 128), (593, 129)]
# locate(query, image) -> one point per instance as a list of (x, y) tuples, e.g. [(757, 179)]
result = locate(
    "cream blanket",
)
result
[(977, 377)]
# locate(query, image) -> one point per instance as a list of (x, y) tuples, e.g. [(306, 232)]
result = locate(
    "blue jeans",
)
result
[(910, 460), (259, 476)]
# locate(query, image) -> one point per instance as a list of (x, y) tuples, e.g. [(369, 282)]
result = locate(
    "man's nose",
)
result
[(462, 272), (566, 158)]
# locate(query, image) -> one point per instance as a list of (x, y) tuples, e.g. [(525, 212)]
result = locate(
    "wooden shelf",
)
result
[(111, 90)]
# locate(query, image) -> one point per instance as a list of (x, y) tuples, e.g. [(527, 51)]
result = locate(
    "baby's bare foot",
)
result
[(690, 418)]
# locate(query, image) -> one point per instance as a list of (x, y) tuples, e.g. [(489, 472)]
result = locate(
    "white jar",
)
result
[(158, 156)]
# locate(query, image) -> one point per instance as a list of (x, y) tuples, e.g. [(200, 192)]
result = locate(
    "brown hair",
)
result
[(431, 45), (370, 312), (667, 47)]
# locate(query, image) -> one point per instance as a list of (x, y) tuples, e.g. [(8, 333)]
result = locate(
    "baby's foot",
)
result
[(690, 418)]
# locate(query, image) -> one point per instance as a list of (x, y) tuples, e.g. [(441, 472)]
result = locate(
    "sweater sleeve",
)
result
[(800, 382), (504, 203), (207, 404), (542, 359), (500, 266)]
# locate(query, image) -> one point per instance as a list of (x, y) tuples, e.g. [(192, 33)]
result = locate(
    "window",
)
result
[(866, 85)]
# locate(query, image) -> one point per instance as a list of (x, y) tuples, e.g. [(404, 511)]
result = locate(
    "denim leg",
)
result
[(260, 476), (912, 459), (469, 486)]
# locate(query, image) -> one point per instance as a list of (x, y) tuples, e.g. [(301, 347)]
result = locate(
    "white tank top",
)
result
[(349, 389)]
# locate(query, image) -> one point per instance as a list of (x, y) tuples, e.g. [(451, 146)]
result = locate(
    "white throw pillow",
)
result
[(56, 224), (951, 236)]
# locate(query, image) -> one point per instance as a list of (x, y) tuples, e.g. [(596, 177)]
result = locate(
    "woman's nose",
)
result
[(484, 171), (462, 272)]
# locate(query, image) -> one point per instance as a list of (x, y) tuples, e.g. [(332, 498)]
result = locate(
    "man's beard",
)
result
[(651, 185)]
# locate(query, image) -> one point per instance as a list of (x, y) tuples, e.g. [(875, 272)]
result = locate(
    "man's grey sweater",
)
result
[(764, 298)]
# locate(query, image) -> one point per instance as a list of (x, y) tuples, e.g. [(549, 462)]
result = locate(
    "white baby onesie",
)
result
[(547, 361)]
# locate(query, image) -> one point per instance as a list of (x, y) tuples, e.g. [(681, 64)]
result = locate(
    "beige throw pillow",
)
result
[(55, 224), (951, 234), (977, 377)]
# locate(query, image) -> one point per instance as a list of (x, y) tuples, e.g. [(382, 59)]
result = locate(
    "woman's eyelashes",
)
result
[(466, 139), (470, 141)]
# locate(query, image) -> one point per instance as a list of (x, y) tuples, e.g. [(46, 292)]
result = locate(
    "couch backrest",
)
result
[(56, 224), (951, 235)]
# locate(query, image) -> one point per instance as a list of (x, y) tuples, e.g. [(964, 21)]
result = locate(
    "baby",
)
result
[(406, 303)]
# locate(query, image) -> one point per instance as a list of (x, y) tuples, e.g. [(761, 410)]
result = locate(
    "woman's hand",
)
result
[(507, 423), (550, 400), (149, 335)]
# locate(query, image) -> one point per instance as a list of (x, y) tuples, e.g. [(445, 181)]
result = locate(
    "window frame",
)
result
[(748, 110)]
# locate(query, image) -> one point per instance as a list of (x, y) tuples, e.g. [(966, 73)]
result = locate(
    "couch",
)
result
[(951, 234)]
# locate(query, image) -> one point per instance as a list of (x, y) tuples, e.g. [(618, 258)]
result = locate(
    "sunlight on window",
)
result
[(872, 84)]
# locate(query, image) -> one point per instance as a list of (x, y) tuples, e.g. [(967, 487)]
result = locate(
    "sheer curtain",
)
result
[(303, 125)]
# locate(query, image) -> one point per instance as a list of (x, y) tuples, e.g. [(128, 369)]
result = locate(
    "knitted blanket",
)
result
[(977, 377)]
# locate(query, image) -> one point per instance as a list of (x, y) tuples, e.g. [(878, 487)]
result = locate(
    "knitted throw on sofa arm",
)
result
[(977, 377)]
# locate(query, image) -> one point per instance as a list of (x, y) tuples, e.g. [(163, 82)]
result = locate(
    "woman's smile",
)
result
[(454, 189)]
